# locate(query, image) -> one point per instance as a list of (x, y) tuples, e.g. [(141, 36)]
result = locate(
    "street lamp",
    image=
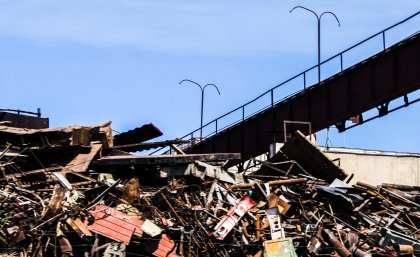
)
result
[(318, 17), (202, 100)]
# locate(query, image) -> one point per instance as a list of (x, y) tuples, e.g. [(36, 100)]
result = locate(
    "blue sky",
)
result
[(86, 62)]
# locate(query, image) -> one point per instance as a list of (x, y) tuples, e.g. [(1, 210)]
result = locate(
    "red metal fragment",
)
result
[(162, 248), (115, 224)]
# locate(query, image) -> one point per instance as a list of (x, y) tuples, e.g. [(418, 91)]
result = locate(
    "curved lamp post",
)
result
[(202, 100), (318, 17)]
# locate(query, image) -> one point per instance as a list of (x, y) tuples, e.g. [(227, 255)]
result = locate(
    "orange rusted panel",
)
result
[(279, 248), (115, 224), (162, 248)]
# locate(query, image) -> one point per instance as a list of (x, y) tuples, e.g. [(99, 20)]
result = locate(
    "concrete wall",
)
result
[(376, 167)]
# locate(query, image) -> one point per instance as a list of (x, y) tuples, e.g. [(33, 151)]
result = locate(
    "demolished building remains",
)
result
[(80, 191)]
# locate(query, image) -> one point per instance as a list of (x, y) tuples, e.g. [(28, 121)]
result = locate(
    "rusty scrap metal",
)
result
[(78, 195)]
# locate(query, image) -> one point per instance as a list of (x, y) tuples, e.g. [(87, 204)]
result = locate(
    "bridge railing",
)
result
[(272, 97), (18, 111)]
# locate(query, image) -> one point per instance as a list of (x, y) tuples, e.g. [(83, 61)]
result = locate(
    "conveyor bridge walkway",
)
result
[(392, 73)]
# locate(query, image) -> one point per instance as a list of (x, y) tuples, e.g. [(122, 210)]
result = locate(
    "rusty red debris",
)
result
[(73, 192)]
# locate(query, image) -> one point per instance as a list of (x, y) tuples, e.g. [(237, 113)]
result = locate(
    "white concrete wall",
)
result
[(374, 167)]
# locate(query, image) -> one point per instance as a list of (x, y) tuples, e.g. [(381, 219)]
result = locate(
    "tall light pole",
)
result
[(202, 100), (318, 17)]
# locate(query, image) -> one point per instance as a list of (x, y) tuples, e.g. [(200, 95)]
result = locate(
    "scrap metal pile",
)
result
[(76, 191)]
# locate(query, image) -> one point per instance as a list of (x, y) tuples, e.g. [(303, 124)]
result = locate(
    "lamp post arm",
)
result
[(213, 86), (191, 82), (338, 21), (309, 10)]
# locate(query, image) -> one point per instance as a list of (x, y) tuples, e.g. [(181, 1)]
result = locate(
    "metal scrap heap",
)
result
[(78, 191)]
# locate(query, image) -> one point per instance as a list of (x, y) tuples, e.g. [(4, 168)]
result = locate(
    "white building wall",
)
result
[(375, 167)]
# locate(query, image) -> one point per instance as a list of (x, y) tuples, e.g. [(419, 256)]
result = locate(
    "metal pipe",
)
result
[(338, 246), (93, 203)]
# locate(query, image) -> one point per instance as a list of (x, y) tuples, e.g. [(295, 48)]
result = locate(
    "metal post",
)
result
[(272, 97), (202, 101), (319, 50), (383, 40), (318, 17), (201, 120)]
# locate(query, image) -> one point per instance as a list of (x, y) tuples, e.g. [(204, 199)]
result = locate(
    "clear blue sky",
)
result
[(86, 62)]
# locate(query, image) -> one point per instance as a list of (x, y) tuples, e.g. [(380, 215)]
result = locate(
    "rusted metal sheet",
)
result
[(137, 135), (200, 170), (55, 203), (115, 224), (163, 247), (273, 182), (235, 214), (148, 145), (82, 161), (162, 159), (312, 159), (50, 137), (105, 135), (79, 227), (279, 248), (24, 121)]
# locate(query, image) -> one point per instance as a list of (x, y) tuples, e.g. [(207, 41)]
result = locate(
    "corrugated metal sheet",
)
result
[(162, 248), (138, 135), (115, 224)]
